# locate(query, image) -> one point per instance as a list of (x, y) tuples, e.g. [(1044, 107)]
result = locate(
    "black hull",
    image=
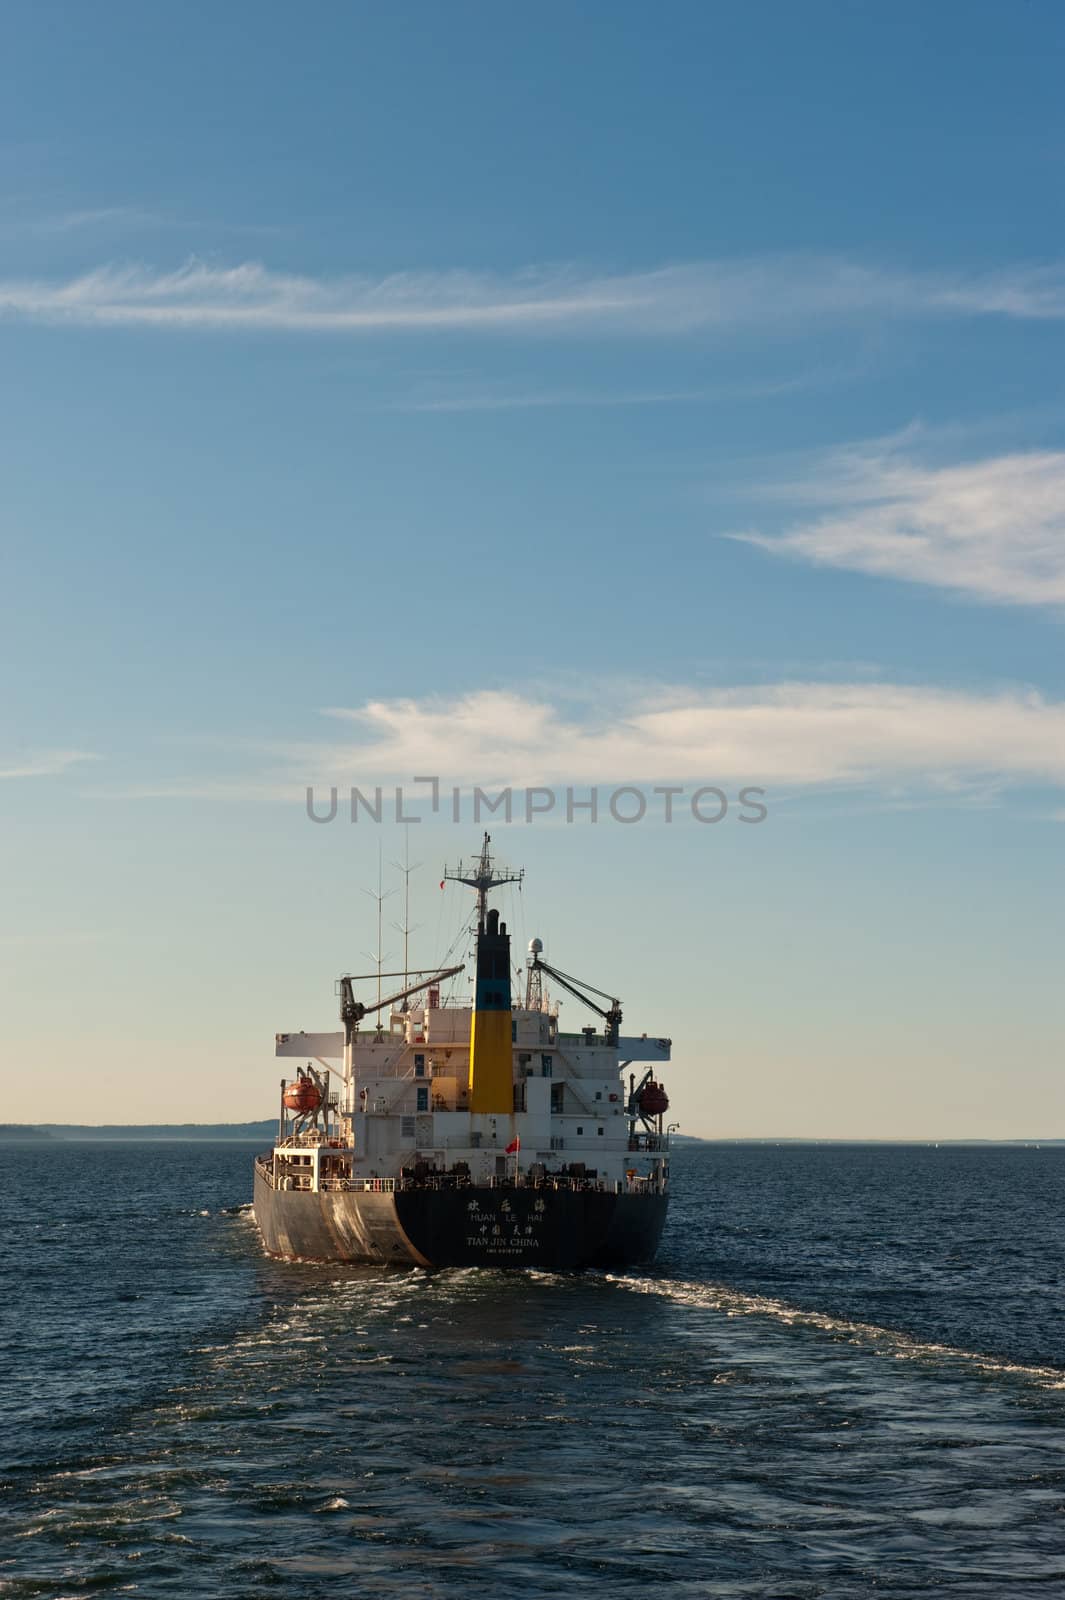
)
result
[(550, 1229)]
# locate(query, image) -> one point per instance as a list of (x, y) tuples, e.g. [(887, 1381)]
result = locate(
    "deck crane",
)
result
[(611, 1014), (352, 1011)]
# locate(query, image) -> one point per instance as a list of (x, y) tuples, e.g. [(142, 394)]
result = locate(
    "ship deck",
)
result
[(449, 1181)]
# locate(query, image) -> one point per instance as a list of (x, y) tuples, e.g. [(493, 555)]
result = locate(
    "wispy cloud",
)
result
[(44, 763), (895, 739), (796, 733), (670, 300), (993, 528), (483, 395), (18, 222), (53, 224), (496, 398), (901, 744)]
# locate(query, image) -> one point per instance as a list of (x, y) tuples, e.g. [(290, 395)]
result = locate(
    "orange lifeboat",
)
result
[(654, 1101), (302, 1096)]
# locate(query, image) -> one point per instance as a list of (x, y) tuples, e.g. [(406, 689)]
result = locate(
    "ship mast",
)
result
[(480, 875), (405, 927), (380, 897)]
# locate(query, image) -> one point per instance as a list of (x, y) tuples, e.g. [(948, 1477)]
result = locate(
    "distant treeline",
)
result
[(16, 1131), (155, 1130)]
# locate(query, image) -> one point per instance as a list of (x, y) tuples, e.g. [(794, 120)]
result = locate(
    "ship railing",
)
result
[(291, 1181), (652, 1184), (285, 1178), (550, 1181), (648, 1141), (361, 1185)]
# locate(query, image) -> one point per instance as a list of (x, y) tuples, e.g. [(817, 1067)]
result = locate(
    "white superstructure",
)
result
[(403, 1098)]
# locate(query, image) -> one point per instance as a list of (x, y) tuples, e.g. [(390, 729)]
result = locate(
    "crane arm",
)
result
[(570, 985), (611, 1014), (566, 979), (352, 1011)]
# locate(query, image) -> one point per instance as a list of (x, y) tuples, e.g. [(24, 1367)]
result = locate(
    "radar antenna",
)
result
[(534, 982), (480, 875)]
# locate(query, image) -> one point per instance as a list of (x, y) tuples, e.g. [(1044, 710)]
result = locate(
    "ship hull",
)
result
[(551, 1229)]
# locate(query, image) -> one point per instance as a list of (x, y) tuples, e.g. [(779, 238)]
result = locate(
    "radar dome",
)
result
[(535, 946)]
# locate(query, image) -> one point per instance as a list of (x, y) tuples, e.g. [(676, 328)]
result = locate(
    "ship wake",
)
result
[(888, 1343)]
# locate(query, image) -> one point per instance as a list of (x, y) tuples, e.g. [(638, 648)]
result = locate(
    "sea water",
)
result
[(844, 1376)]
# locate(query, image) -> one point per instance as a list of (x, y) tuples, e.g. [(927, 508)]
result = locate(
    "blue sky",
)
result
[(565, 397)]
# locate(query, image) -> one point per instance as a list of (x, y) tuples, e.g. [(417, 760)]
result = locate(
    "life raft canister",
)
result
[(302, 1095), (654, 1101)]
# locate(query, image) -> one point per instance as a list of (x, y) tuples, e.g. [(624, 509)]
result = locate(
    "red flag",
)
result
[(442, 882), (514, 1146)]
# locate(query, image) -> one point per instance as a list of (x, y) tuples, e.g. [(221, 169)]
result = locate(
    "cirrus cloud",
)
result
[(43, 763), (994, 529), (720, 295)]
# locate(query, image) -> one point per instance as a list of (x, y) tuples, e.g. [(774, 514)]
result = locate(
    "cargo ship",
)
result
[(439, 1133)]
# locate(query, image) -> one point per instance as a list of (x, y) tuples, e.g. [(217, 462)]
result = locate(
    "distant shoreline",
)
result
[(61, 1132), (221, 1132)]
